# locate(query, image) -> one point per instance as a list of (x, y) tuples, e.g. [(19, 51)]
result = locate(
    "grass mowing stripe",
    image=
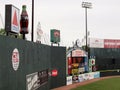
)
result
[(106, 84)]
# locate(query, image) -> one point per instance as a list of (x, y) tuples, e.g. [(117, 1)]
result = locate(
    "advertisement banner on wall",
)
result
[(111, 43), (37, 79), (69, 80), (96, 74), (86, 64), (96, 43), (91, 64), (91, 75), (88, 76), (81, 70), (75, 71), (42, 77), (78, 53), (31, 81), (69, 65), (54, 73), (104, 43), (91, 61), (81, 77)]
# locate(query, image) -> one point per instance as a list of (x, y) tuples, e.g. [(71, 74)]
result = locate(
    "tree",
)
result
[(3, 32)]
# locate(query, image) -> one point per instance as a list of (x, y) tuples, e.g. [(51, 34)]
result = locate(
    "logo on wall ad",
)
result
[(15, 59), (54, 73)]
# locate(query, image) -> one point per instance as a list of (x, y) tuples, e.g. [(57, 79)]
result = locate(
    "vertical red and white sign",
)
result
[(69, 65), (15, 59)]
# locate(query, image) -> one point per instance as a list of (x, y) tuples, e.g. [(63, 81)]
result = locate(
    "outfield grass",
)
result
[(106, 84)]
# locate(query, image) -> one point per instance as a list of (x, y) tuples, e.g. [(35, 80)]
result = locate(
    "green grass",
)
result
[(106, 84)]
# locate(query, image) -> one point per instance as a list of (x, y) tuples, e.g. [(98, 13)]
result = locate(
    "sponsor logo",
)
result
[(15, 59)]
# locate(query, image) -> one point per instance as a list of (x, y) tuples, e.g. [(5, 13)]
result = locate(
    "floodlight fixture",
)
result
[(86, 5)]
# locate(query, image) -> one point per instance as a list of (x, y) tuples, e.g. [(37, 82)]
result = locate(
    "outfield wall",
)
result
[(24, 63), (106, 58)]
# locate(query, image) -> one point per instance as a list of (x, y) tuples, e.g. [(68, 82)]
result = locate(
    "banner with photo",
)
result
[(37, 79)]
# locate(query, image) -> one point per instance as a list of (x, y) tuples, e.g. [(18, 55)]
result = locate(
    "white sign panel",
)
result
[(78, 53), (69, 80), (15, 20), (15, 59), (96, 43), (81, 77), (91, 75), (88, 76), (32, 81)]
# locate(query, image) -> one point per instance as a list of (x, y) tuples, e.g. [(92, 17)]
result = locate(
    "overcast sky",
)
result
[(68, 16)]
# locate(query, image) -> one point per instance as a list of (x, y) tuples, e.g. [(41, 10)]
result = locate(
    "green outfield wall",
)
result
[(25, 65)]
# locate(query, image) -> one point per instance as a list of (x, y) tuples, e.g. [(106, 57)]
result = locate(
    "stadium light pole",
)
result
[(86, 5), (32, 31)]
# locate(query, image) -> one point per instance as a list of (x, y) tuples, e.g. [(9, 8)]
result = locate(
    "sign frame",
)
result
[(12, 18)]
